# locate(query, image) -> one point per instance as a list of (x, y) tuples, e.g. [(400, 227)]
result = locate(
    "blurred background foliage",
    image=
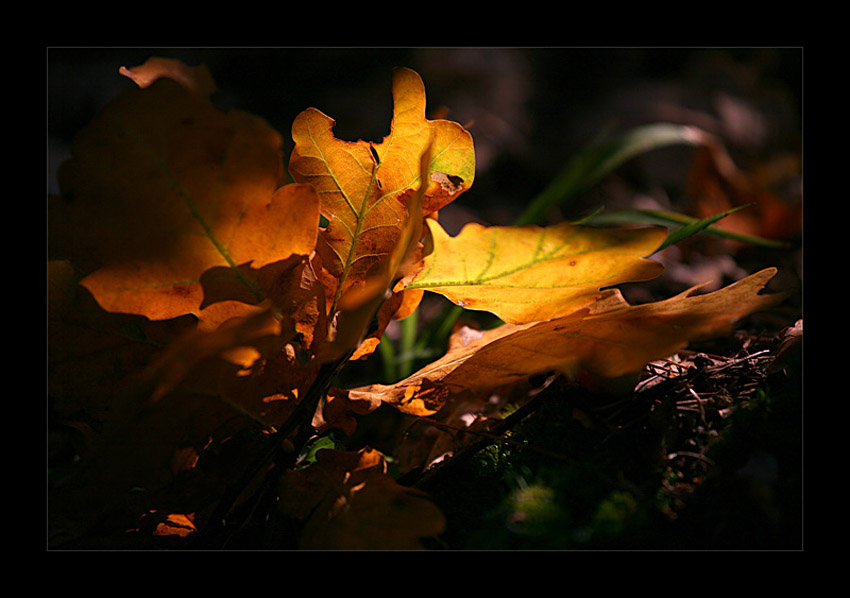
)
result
[(530, 110)]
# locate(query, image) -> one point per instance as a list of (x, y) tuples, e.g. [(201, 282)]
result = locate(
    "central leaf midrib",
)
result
[(483, 280), (360, 217)]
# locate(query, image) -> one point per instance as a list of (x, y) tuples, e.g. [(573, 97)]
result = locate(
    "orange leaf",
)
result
[(365, 187), (162, 187), (176, 524)]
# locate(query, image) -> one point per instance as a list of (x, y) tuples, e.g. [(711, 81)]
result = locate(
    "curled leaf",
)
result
[(607, 339)]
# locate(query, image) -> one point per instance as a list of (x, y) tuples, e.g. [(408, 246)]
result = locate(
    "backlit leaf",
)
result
[(364, 187), (163, 186), (525, 274)]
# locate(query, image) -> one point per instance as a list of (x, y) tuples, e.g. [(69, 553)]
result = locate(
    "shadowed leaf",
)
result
[(348, 501)]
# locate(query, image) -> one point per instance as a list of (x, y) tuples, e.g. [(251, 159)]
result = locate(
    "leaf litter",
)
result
[(672, 398)]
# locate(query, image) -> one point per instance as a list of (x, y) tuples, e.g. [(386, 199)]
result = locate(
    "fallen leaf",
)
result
[(772, 191), (348, 501), (606, 340), (530, 273)]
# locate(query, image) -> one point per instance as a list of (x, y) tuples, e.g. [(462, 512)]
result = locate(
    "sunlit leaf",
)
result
[(163, 186), (364, 187), (525, 274)]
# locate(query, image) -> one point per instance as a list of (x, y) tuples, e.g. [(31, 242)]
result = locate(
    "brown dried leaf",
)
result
[(606, 340)]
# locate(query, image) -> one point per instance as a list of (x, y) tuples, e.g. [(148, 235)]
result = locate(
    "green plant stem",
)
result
[(387, 351), (409, 327)]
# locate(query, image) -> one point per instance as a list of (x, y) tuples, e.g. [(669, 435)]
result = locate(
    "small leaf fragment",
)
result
[(194, 78)]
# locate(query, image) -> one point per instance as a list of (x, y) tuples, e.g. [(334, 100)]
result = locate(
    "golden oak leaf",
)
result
[(161, 187), (608, 339), (451, 167), (365, 187), (348, 501), (372, 296), (530, 273)]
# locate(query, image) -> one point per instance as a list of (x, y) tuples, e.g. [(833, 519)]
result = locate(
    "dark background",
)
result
[(529, 109)]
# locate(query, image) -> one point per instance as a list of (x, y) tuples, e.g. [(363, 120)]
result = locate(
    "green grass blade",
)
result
[(601, 158), (688, 226)]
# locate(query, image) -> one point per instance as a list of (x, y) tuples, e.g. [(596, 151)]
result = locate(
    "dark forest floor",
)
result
[(706, 454)]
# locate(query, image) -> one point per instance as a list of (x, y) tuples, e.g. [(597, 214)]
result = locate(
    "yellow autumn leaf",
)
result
[(530, 273), (608, 339), (451, 165)]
